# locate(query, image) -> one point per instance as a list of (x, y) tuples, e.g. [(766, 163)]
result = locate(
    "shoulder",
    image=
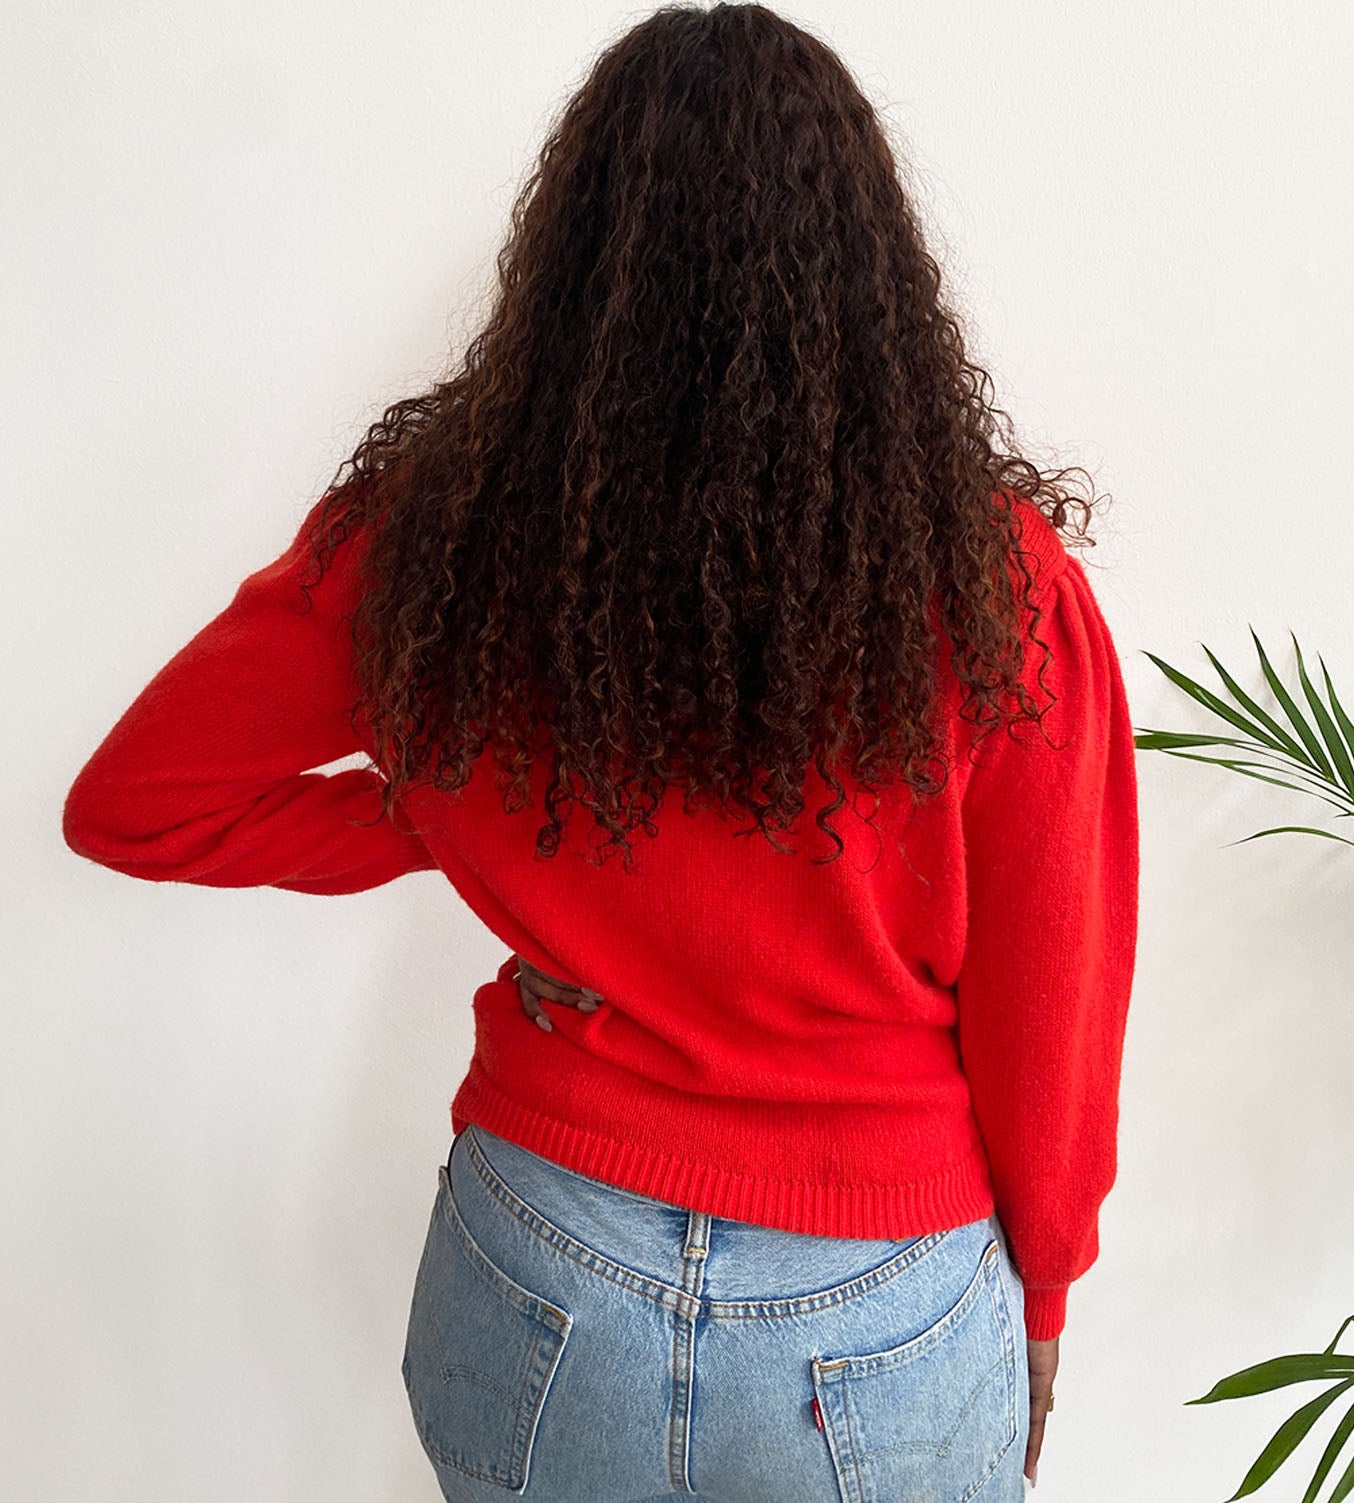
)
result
[(1037, 539)]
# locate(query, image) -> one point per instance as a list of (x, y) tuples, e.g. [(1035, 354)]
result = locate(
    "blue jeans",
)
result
[(573, 1342)]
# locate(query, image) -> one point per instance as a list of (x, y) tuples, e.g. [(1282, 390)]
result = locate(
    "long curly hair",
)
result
[(713, 477)]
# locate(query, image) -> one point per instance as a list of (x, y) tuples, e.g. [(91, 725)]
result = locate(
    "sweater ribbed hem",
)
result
[(1045, 1313), (959, 1194)]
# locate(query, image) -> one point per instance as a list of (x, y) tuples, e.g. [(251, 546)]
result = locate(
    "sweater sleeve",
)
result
[(1051, 854), (205, 778)]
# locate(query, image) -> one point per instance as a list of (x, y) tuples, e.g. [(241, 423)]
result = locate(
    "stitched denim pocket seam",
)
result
[(523, 1402), (908, 1351), (671, 1296), (521, 1299), (831, 1377)]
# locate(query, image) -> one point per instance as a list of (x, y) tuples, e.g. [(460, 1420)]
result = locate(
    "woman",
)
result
[(783, 1197)]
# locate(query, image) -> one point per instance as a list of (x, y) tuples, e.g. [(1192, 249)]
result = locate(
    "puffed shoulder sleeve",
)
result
[(1051, 858), (205, 778)]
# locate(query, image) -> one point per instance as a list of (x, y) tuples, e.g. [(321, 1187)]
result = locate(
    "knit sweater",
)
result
[(888, 1044)]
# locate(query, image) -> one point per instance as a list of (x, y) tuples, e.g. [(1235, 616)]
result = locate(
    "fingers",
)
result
[(1036, 1441), (1043, 1364), (534, 1010), (535, 987)]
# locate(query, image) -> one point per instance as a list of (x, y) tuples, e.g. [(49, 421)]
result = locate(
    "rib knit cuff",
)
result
[(1045, 1313)]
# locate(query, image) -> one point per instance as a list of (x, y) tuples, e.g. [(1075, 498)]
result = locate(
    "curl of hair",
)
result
[(712, 475)]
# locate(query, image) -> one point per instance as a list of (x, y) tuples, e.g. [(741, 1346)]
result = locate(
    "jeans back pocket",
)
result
[(932, 1417), (480, 1354)]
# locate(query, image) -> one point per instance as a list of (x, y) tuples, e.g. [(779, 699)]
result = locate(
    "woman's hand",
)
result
[(1043, 1365), (533, 985)]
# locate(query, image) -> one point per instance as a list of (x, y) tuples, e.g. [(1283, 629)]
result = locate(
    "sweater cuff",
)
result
[(1045, 1312)]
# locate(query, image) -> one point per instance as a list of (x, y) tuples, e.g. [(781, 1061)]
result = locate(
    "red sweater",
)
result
[(883, 1045)]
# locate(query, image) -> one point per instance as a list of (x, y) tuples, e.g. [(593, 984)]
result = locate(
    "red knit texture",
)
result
[(889, 1044)]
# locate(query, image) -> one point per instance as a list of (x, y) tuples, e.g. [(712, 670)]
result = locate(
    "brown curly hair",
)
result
[(685, 511)]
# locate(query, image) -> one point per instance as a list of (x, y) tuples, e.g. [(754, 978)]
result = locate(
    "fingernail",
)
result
[(543, 1022), (588, 1006), (1034, 1477), (591, 995)]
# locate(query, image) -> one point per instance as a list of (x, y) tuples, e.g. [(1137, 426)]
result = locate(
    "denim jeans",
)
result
[(573, 1342)]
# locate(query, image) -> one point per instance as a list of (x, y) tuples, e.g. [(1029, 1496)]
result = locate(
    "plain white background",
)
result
[(231, 235)]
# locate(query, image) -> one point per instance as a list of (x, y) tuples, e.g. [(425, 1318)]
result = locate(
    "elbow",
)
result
[(81, 820), (86, 826), (95, 827)]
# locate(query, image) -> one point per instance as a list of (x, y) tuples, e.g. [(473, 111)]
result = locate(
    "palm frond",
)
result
[(1294, 830), (1339, 752), (1318, 760), (1309, 737), (1337, 709), (1277, 1372)]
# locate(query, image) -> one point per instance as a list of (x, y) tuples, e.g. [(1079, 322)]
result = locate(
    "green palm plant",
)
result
[(1319, 753), (1298, 1367)]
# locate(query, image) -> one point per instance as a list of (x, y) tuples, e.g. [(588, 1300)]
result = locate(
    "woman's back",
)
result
[(904, 1038)]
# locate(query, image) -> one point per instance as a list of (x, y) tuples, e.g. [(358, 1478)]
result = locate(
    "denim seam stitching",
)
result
[(669, 1295), (539, 1368), (836, 1371), (1004, 1326)]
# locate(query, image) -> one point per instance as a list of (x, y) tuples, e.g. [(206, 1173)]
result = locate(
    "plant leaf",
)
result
[(1241, 767), (1290, 830), (1339, 755), (1170, 741), (1261, 714), (1149, 740), (1344, 1326), (1298, 1367), (1337, 709), (1309, 739), (1220, 707), (1287, 1438), (1334, 1446), (1344, 1486)]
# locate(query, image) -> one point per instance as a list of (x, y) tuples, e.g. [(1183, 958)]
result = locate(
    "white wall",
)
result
[(231, 234)]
